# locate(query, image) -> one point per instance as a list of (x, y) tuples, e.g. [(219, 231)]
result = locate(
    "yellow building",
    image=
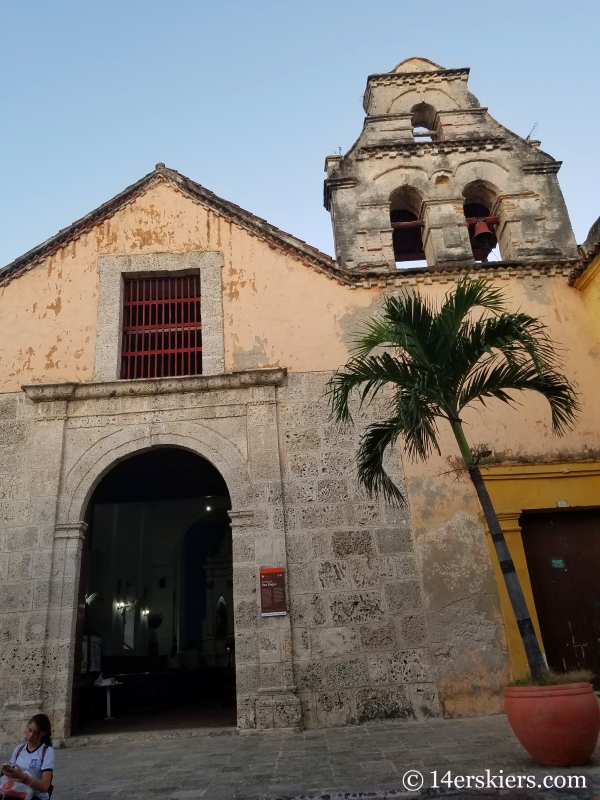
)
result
[(164, 437)]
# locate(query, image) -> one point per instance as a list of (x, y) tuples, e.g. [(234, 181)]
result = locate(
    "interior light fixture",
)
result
[(208, 508)]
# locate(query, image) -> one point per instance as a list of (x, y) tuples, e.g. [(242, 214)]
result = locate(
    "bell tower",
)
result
[(433, 177)]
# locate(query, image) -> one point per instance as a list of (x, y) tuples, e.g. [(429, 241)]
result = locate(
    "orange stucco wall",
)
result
[(277, 310)]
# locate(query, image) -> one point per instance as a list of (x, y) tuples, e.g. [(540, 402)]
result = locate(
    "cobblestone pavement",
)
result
[(363, 760)]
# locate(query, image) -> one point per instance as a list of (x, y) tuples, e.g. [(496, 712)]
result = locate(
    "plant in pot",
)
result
[(436, 362), (555, 716)]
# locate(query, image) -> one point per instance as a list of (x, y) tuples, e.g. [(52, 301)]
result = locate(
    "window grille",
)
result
[(162, 329)]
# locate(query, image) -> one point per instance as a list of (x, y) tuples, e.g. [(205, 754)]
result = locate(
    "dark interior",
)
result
[(156, 598)]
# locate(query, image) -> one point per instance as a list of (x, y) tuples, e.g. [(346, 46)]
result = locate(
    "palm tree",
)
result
[(438, 361)]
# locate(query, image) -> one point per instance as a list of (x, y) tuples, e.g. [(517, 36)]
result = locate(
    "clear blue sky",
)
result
[(247, 97)]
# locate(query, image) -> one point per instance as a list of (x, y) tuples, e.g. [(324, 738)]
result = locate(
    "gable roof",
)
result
[(245, 219)]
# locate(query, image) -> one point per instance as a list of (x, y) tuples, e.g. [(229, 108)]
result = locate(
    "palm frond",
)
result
[(438, 361), (370, 373), (377, 332), (496, 379), (371, 473)]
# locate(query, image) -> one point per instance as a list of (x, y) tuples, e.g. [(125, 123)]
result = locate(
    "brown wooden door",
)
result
[(563, 558)]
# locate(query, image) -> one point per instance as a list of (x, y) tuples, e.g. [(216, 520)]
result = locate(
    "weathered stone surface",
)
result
[(300, 440), (326, 642), (334, 708), (409, 666), (336, 464), (9, 628), (321, 516), (378, 669), (301, 649), (246, 614), (303, 465), (13, 434), (243, 548), (246, 712), (352, 543), (333, 575), (299, 611), (424, 700), (246, 647), (308, 675), (269, 647), (247, 678), (346, 672), (298, 547), (390, 542), (20, 566), (403, 596), (332, 490), (301, 578), (320, 545), (287, 712), (393, 703), (356, 607), (16, 596), (318, 610), (378, 637), (414, 629), (368, 573)]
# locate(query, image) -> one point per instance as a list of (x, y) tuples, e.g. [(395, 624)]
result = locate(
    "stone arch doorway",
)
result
[(157, 548)]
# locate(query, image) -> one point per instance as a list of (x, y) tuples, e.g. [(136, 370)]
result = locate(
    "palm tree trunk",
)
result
[(535, 659)]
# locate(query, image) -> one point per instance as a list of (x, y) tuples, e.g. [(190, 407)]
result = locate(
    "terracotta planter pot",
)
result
[(557, 725)]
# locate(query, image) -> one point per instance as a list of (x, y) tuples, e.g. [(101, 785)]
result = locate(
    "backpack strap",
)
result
[(19, 751), (44, 750)]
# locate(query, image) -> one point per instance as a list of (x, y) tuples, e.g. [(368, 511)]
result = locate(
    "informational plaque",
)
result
[(272, 591)]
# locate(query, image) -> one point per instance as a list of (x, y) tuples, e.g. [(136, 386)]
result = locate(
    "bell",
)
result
[(483, 237)]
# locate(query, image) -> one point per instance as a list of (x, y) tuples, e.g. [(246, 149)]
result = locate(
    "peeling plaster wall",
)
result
[(48, 314)]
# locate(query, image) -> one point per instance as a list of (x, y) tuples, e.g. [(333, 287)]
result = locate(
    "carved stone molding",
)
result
[(40, 393), (72, 531)]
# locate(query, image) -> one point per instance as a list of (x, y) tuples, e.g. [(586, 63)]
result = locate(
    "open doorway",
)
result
[(155, 624)]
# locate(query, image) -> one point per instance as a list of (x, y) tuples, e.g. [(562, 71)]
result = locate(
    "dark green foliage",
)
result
[(439, 360)]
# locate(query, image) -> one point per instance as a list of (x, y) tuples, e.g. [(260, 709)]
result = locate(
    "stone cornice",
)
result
[(49, 392), (424, 76), (542, 168), (412, 276), (442, 146)]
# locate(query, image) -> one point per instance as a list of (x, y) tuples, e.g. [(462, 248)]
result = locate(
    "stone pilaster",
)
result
[(60, 643), (276, 704)]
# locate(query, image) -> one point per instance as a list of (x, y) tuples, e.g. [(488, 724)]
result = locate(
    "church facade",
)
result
[(171, 319)]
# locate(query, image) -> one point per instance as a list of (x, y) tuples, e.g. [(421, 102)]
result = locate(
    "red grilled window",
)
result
[(162, 330)]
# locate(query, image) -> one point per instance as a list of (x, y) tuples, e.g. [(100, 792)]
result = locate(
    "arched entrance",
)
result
[(156, 598)]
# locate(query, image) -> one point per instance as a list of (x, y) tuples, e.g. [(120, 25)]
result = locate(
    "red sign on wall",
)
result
[(272, 591)]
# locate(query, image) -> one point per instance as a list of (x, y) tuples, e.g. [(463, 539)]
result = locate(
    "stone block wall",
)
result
[(30, 603), (354, 646), (359, 631)]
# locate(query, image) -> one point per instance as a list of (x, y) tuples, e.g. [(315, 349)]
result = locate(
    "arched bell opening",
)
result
[(480, 200), (157, 548), (424, 122), (407, 227)]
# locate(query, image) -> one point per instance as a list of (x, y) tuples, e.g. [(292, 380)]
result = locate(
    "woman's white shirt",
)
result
[(32, 763)]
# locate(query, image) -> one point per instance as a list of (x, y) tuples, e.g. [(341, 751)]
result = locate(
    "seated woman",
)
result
[(32, 763)]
